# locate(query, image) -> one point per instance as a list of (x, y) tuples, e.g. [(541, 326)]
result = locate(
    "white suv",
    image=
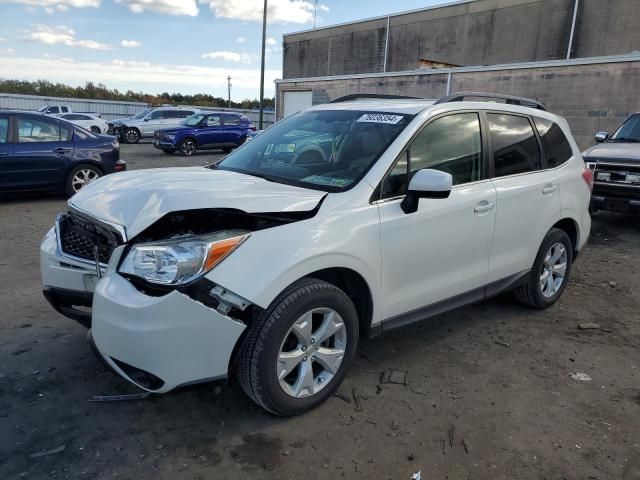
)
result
[(273, 264), (142, 125)]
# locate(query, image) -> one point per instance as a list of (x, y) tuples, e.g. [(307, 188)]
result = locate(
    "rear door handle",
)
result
[(484, 207), (549, 188), (62, 150)]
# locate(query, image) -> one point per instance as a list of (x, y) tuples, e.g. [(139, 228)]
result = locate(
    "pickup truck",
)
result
[(55, 109)]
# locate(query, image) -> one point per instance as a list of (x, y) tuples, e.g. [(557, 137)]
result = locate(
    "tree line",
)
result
[(99, 91)]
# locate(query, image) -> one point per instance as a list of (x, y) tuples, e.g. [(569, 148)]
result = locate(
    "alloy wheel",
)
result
[(554, 269), (311, 352), (83, 177), (131, 136), (188, 147)]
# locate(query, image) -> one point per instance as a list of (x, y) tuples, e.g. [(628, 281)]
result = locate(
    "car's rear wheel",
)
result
[(188, 147), (80, 177), (95, 130), (131, 135), (550, 273), (297, 352)]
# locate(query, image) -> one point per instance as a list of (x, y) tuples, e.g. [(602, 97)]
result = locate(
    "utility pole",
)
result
[(264, 41), (315, 13), (229, 91)]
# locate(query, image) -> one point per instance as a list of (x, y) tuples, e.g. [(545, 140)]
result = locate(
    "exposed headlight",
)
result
[(176, 262), (169, 137)]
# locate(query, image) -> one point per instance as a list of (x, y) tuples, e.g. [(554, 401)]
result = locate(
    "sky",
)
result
[(177, 46)]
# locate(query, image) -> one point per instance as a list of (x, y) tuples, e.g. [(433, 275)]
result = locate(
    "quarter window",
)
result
[(556, 148), (451, 144), (4, 130), (30, 131), (515, 147)]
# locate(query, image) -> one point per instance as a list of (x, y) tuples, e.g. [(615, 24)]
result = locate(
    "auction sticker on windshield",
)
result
[(380, 118)]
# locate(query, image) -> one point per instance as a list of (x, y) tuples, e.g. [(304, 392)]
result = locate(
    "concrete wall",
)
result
[(480, 32), (591, 97)]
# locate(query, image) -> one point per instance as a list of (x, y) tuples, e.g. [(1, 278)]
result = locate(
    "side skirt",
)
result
[(473, 296)]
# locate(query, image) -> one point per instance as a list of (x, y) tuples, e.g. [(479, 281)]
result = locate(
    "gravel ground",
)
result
[(489, 392)]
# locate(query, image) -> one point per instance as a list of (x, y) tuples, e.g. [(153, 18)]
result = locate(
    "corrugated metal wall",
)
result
[(109, 110)]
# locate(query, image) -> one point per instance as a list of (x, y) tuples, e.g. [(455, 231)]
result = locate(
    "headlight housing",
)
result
[(180, 261), (169, 137)]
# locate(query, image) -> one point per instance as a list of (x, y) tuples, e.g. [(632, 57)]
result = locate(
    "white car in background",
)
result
[(273, 265), (142, 125), (88, 121)]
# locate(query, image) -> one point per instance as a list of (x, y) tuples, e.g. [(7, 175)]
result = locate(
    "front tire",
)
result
[(80, 177), (549, 276), (187, 147), (297, 352), (95, 130), (131, 135)]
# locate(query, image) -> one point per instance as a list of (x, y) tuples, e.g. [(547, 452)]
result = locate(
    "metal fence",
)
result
[(109, 110)]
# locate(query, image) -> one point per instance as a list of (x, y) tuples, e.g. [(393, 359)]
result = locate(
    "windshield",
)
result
[(329, 150), (193, 120), (629, 131), (43, 109), (142, 114)]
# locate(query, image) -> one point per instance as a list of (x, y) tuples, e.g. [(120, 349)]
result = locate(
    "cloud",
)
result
[(280, 11), (228, 56), (3, 39), (59, 5), (61, 35), (142, 75), (272, 41), (241, 40), (168, 7), (130, 43), (7, 51)]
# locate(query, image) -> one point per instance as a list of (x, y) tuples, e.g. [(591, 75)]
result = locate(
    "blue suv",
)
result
[(223, 130)]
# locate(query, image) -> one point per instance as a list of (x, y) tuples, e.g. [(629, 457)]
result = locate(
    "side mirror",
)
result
[(426, 183), (601, 136)]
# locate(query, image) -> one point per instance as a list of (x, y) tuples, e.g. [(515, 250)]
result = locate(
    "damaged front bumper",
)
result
[(160, 343)]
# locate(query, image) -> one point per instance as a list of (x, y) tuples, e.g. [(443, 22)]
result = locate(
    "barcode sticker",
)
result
[(380, 118)]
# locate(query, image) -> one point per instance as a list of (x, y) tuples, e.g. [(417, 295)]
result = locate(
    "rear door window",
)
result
[(231, 120), (514, 144), (31, 131), (213, 121), (557, 149), (4, 129)]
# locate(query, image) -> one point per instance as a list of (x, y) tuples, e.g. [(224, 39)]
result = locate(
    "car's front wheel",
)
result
[(188, 147), (550, 273), (81, 176), (96, 130), (131, 135), (297, 352)]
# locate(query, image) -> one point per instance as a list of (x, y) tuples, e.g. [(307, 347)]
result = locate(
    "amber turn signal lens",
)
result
[(219, 250)]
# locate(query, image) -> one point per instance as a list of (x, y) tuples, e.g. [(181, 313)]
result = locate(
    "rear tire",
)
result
[(289, 361), (550, 274), (81, 176)]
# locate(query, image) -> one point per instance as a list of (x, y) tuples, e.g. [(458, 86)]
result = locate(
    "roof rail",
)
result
[(358, 96), (525, 102)]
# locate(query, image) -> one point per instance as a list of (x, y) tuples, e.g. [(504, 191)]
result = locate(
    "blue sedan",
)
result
[(222, 130), (42, 153)]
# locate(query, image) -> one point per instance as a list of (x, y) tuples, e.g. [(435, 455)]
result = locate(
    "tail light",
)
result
[(587, 175)]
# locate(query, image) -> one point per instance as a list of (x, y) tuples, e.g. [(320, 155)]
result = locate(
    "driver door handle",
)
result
[(62, 150), (549, 188), (483, 207)]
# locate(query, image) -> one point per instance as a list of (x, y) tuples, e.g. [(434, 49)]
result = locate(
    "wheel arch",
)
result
[(570, 227), (188, 136)]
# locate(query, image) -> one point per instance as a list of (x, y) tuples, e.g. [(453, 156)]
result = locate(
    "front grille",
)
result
[(79, 238), (157, 135), (617, 173)]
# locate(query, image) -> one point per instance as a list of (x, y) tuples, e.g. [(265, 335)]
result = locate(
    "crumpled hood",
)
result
[(612, 152), (137, 199)]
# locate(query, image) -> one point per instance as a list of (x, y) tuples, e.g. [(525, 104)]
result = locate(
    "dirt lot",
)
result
[(489, 392)]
